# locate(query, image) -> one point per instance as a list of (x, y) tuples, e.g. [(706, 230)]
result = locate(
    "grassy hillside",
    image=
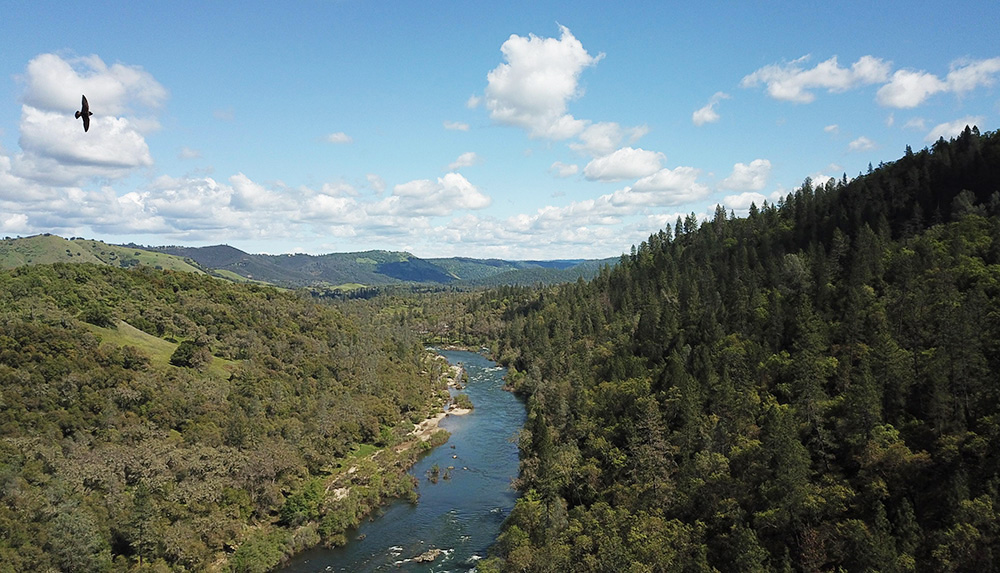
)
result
[(48, 249)]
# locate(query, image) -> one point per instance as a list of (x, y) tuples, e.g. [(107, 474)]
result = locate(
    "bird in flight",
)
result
[(85, 113)]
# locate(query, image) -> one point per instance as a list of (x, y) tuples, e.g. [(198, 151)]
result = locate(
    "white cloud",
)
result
[(908, 89), (952, 129), (625, 163), (832, 128), (456, 126), (561, 169), (248, 195), (665, 187), (55, 84), (604, 137), (791, 82), (741, 202), (861, 144), (473, 101), (967, 75), (55, 149), (708, 114), (916, 123), (752, 177), (532, 89), (339, 138), (464, 160), (14, 223), (188, 153), (425, 197)]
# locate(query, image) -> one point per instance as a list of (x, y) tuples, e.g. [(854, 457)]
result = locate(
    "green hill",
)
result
[(810, 388), (379, 268), (48, 249), (168, 420)]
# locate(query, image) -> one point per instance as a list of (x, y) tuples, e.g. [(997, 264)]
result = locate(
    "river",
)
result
[(461, 515)]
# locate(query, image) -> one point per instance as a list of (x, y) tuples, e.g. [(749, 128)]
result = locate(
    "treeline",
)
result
[(157, 420), (810, 388)]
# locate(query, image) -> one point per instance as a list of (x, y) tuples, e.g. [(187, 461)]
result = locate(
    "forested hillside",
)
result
[(165, 420), (811, 388)]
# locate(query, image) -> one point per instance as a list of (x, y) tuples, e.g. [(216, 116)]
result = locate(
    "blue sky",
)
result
[(519, 130)]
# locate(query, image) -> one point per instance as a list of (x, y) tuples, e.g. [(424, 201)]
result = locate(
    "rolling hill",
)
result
[(339, 271)]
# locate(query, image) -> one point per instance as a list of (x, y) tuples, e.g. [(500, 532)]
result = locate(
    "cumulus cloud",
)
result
[(909, 89), (752, 177), (55, 84), (339, 138), (561, 169), (55, 149), (665, 187), (571, 230), (13, 223), (861, 144), (834, 128), (967, 75), (590, 227), (708, 114), (792, 82), (625, 163), (741, 203), (464, 160), (425, 197), (604, 137), (952, 129), (456, 126), (533, 87)]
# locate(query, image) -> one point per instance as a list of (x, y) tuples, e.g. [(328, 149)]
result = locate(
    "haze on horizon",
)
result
[(556, 131)]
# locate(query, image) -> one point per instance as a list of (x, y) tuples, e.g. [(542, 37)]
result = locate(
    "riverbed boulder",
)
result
[(428, 556)]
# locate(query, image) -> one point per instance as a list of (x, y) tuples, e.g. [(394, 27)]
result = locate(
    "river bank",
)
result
[(424, 430), (324, 509), (461, 505)]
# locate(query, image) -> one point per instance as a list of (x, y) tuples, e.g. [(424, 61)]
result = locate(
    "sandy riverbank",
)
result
[(424, 430)]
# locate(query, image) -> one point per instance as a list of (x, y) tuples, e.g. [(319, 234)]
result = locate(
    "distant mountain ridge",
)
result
[(344, 271)]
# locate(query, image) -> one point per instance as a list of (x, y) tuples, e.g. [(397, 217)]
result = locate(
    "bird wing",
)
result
[(86, 106), (86, 121)]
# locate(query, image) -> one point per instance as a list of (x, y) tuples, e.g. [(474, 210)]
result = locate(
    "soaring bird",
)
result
[(85, 113)]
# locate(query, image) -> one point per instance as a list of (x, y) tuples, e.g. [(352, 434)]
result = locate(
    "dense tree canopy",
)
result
[(164, 419), (809, 388)]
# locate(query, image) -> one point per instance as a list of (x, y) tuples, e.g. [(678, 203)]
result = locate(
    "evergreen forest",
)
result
[(811, 388)]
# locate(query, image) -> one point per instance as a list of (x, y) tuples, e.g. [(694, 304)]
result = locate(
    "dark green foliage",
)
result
[(810, 388), (190, 354), (120, 449)]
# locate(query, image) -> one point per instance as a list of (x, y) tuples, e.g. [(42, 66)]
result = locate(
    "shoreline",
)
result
[(427, 428), (425, 435)]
